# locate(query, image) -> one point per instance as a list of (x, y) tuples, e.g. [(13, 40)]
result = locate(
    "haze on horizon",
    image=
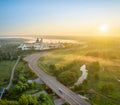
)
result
[(59, 17)]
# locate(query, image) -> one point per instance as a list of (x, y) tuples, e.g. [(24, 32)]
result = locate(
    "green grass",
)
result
[(98, 100), (5, 72)]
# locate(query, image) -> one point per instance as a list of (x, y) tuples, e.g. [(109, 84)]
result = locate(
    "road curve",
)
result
[(62, 91)]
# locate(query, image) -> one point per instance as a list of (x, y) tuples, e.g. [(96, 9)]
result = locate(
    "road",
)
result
[(62, 91), (12, 74)]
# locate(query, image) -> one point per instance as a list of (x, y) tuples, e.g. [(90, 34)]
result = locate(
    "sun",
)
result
[(103, 28)]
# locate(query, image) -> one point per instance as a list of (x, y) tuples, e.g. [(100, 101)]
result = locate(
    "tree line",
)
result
[(26, 99), (9, 52)]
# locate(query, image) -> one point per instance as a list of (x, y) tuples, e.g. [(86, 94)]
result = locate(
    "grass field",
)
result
[(5, 72), (104, 50)]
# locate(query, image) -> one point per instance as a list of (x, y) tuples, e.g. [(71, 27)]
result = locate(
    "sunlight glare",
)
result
[(103, 28)]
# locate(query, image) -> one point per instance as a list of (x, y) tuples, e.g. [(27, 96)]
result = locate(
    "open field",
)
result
[(5, 72), (102, 86)]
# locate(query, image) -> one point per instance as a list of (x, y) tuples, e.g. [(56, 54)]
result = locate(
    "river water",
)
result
[(33, 39), (83, 76)]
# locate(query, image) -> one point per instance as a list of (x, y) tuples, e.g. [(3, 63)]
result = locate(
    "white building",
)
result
[(39, 45), (26, 46)]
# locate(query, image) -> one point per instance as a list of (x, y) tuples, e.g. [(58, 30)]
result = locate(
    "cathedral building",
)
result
[(39, 45)]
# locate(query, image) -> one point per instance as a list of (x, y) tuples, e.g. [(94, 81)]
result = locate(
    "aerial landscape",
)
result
[(59, 52)]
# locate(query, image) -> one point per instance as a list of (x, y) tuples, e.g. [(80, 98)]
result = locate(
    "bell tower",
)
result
[(37, 40)]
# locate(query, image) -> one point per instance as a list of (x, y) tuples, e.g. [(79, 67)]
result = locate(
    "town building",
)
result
[(40, 45)]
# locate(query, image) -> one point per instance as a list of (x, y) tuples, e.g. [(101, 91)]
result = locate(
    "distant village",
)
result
[(40, 45)]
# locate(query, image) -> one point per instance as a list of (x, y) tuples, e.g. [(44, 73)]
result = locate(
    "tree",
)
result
[(27, 100), (53, 69), (67, 78), (45, 99), (6, 102)]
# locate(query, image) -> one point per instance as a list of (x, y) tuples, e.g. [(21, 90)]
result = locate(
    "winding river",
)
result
[(83, 76)]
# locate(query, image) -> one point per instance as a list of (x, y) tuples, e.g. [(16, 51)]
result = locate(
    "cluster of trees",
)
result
[(21, 87), (67, 78), (23, 73), (8, 48), (26, 99), (93, 76), (81, 88), (20, 83), (67, 74), (17, 90), (6, 102), (9, 52), (46, 99)]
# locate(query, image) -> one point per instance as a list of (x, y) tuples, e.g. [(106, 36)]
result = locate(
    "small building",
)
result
[(26, 46)]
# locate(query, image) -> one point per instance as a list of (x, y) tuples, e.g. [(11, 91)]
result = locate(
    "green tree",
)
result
[(67, 78), (53, 69), (45, 99), (6, 102), (27, 100)]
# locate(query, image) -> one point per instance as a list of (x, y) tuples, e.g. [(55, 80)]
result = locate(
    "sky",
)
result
[(59, 17)]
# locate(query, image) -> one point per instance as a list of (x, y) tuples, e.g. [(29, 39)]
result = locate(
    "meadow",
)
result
[(102, 58), (5, 72)]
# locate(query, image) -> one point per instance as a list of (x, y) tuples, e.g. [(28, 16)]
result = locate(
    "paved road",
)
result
[(62, 91), (12, 74)]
